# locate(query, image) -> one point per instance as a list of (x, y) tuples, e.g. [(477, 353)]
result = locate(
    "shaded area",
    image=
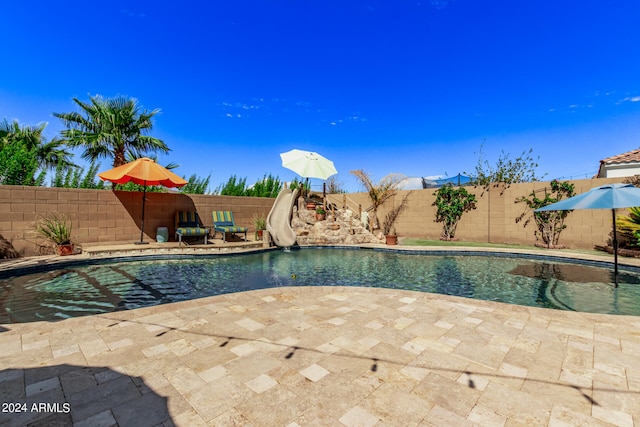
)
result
[(62, 395), (565, 272), (158, 213), (450, 281), (7, 251)]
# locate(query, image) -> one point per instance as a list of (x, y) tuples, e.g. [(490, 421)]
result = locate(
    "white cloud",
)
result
[(629, 99)]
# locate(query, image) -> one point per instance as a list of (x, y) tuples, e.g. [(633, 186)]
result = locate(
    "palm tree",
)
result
[(49, 154), (378, 193), (112, 127), (25, 155)]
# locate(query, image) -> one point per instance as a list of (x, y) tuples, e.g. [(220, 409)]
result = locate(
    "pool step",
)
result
[(165, 249)]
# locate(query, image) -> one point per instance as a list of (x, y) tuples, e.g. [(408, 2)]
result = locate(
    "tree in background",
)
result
[(233, 187), (302, 185), (72, 177), (196, 185), (25, 155), (378, 193), (18, 166), (111, 128), (268, 186), (549, 223), (506, 171), (450, 205), (334, 186)]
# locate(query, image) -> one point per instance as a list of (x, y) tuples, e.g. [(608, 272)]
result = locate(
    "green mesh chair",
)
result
[(223, 222), (188, 224)]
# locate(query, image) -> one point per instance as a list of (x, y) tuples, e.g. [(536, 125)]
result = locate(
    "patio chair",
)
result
[(223, 222), (188, 224)]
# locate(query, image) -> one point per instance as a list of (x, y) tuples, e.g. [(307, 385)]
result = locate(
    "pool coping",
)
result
[(27, 265)]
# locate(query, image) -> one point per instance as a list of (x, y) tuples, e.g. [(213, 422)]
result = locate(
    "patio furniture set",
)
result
[(189, 224)]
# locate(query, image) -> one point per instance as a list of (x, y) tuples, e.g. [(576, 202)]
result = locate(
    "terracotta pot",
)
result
[(320, 217), (259, 234), (392, 240), (311, 206), (66, 249)]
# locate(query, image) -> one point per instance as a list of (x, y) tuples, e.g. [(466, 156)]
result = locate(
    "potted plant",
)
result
[(388, 228), (260, 224), (320, 213), (56, 228), (391, 237)]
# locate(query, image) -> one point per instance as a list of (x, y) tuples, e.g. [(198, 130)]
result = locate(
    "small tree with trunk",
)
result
[(451, 203), (549, 223)]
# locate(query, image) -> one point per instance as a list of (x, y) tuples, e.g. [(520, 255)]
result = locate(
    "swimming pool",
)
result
[(124, 284)]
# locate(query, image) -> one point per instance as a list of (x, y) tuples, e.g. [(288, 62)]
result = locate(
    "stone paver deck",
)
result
[(324, 356)]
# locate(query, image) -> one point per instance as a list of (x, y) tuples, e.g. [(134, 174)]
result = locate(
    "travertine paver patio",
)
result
[(324, 356)]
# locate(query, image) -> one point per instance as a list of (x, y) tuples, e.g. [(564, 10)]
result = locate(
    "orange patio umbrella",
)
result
[(143, 171)]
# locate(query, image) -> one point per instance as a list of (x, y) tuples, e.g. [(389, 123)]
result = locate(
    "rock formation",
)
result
[(339, 228)]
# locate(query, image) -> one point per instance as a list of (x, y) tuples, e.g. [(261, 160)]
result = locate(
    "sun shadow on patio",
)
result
[(470, 380), (67, 394)]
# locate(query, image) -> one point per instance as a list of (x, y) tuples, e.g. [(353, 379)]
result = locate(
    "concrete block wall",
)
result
[(103, 216), (493, 220)]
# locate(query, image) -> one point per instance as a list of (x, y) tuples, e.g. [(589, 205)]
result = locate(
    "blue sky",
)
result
[(413, 87)]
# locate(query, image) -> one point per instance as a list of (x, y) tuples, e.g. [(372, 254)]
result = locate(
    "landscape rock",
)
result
[(339, 227)]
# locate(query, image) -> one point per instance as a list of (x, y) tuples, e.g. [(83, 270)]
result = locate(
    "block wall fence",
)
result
[(493, 220), (104, 216)]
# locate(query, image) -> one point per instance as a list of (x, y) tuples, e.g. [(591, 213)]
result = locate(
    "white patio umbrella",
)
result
[(308, 164), (610, 196)]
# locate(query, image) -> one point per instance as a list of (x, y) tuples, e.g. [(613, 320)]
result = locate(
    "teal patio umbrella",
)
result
[(610, 196)]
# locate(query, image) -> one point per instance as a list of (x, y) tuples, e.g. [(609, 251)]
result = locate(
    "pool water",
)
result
[(100, 288)]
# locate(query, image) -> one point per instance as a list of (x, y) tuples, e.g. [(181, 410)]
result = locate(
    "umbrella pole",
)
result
[(144, 199), (615, 248)]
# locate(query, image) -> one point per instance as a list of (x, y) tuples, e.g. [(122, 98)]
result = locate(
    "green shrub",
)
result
[(549, 223), (451, 204)]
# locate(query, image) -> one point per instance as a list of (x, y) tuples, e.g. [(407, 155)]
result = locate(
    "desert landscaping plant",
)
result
[(388, 227), (549, 223), (451, 203), (259, 223), (55, 228), (378, 193), (629, 228)]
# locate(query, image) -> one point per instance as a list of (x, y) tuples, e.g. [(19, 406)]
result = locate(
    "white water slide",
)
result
[(279, 219)]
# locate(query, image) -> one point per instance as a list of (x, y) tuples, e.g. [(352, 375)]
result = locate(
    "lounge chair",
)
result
[(188, 224), (224, 223)]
